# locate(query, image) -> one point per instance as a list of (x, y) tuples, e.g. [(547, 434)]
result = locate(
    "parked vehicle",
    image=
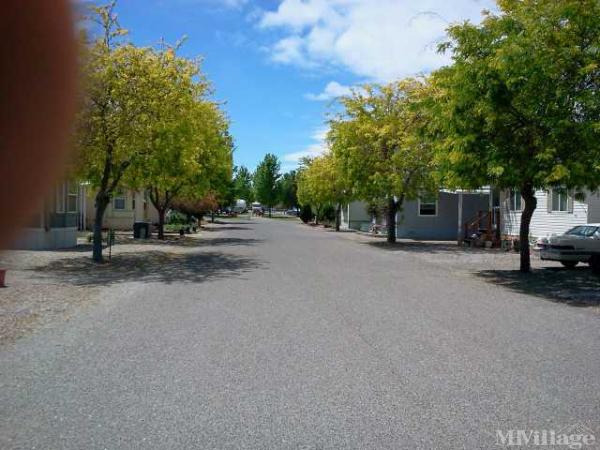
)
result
[(293, 212), (240, 206), (580, 244)]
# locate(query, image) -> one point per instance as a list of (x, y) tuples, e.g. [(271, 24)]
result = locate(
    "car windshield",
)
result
[(585, 231)]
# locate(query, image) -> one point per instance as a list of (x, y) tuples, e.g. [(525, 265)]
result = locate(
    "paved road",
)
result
[(290, 337)]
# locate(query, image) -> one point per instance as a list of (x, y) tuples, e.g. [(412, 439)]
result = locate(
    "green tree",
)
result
[(310, 179), (519, 108), (265, 181), (212, 184), (171, 163), (184, 163), (378, 144), (217, 160), (146, 123), (321, 185), (288, 190), (242, 184), (112, 119)]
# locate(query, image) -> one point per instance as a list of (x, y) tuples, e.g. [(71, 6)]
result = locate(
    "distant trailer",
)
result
[(240, 206)]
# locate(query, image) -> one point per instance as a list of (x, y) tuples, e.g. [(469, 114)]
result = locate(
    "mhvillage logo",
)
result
[(572, 437)]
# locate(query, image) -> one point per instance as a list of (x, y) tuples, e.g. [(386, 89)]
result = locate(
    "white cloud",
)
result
[(318, 147), (380, 40), (297, 13), (309, 152), (320, 134), (289, 51), (332, 91)]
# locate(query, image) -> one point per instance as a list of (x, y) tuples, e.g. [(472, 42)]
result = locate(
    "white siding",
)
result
[(543, 222)]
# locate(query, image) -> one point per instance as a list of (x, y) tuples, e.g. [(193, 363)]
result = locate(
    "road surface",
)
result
[(276, 335)]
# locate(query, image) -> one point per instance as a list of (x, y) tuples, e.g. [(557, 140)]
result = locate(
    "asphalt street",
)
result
[(291, 337)]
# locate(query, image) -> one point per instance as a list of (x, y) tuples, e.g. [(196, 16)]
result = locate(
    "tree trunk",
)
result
[(338, 218), (391, 220), (102, 200), (528, 195), (270, 212), (161, 223), (212, 217)]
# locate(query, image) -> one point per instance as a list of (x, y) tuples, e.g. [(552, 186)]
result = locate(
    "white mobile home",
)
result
[(557, 211), (125, 208)]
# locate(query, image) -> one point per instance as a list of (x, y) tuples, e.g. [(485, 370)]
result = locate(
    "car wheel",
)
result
[(595, 264), (569, 264)]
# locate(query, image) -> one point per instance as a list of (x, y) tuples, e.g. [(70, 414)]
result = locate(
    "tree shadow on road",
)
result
[(230, 222), (170, 240), (79, 248), (188, 242), (427, 247), (578, 287), (220, 242), (227, 228), (149, 266)]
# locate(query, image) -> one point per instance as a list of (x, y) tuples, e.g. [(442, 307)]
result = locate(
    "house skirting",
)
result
[(40, 239)]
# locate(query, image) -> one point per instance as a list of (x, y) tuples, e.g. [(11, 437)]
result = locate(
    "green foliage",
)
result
[(242, 184), (377, 208), (147, 123), (519, 108), (378, 141), (218, 163), (171, 162), (306, 214), (110, 127), (318, 184), (177, 218), (327, 214), (265, 180), (288, 190)]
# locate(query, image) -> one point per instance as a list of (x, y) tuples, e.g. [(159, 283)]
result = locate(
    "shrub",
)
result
[(176, 218), (327, 214), (306, 214)]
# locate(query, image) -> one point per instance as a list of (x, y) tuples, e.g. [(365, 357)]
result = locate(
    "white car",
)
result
[(580, 244)]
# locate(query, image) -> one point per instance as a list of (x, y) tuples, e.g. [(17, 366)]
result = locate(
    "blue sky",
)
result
[(278, 64)]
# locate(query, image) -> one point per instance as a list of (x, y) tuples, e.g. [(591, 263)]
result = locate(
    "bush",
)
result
[(306, 214), (176, 218), (327, 214)]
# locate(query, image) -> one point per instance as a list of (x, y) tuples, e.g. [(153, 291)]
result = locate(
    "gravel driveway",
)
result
[(270, 334), (46, 287)]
